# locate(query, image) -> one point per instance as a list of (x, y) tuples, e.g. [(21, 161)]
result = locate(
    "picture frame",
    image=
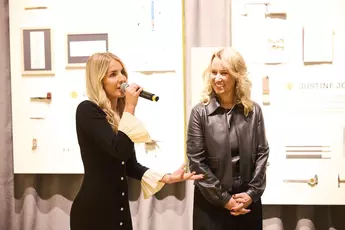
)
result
[(318, 44), (277, 9), (37, 51), (80, 46), (276, 39)]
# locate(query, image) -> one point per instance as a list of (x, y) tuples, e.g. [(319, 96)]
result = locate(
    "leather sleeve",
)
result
[(209, 186), (258, 183)]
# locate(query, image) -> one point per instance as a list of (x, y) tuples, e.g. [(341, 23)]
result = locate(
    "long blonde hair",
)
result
[(96, 69), (236, 66)]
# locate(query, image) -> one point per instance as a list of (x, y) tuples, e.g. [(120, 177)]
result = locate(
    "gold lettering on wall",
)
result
[(36, 8)]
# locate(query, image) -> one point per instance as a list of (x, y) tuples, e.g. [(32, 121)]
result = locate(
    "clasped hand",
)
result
[(238, 204), (180, 175)]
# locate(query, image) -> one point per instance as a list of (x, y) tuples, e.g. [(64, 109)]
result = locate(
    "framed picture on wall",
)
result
[(37, 52), (276, 36), (318, 44), (81, 46)]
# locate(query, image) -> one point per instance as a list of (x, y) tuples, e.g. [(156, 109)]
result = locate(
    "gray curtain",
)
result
[(6, 166), (42, 202)]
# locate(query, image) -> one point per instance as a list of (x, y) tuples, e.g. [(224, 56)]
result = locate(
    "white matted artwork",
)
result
[(82, 45), (37, 51), (277, 34), (317, 44), (155, 16), (155, 24)]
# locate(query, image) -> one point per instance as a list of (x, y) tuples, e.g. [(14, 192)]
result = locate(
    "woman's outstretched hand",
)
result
[(180, 175)]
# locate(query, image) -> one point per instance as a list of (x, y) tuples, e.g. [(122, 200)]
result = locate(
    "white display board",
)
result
[(305, 109), (50, 42)]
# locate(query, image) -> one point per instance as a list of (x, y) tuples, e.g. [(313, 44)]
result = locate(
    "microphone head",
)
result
[(124, 86)]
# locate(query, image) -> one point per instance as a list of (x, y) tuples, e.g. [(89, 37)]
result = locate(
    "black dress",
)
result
[(206, 216), (108, 158)]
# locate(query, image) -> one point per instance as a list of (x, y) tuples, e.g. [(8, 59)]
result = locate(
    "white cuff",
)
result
[(134, 129), (150, 183)]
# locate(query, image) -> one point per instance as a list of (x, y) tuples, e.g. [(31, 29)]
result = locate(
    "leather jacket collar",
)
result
[(214, 104)]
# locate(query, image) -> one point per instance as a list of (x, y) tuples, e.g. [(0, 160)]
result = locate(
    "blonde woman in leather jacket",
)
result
[(226, 142)]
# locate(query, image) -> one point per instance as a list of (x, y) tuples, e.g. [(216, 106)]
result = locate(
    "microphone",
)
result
[(143, 94)]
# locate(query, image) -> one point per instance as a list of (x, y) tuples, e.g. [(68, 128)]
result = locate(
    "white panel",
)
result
[(53, 124), (37, 52), (87, 48), (318, 43), (307, 101)]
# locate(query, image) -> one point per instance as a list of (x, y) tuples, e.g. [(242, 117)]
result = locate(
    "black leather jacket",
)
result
[(208, 150)]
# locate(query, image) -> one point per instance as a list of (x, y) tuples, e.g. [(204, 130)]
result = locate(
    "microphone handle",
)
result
[(148, 96)]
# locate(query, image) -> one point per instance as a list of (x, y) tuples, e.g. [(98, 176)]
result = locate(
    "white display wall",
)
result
[(295, 55), (50, 42)]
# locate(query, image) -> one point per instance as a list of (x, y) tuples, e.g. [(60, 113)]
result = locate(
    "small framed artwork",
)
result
[(318, 44), (81, 46), (276, 36), (277, 9), (37, 52)]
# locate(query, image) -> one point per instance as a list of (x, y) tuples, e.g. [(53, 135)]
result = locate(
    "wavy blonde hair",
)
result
[(233, 61), (96, 69)]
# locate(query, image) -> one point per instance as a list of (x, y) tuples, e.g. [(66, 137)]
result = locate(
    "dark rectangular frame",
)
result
[(79, 62), (26, 51)]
